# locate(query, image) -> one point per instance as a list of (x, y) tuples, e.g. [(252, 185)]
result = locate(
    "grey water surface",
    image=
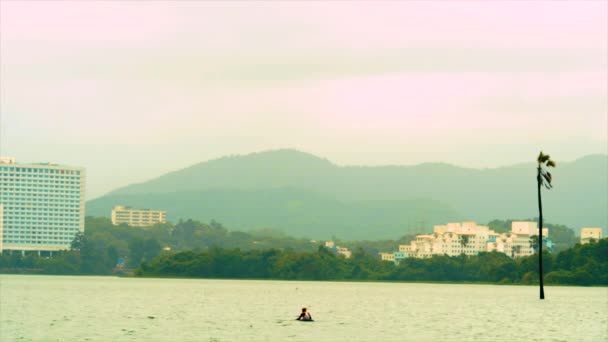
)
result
[(65, 308)]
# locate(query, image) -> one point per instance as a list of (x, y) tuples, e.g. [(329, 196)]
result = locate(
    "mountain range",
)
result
[(307, 196)]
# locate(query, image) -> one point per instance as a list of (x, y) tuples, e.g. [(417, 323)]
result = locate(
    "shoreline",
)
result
[(304, 280)]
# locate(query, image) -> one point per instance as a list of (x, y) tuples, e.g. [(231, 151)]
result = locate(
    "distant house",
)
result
[(340, 250), (589, 234), (395, 257), (137, 217), (387, 256), (344, 251)]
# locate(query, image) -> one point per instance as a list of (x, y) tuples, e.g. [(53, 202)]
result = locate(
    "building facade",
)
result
[(387, 256), (42, 206), (1, 229), (590, 234), (469, 238), (137, 217)]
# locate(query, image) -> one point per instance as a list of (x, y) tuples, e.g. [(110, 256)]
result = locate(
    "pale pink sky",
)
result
[(178, 82)]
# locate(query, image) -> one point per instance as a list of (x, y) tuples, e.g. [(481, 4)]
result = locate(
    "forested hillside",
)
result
[(307, 196)]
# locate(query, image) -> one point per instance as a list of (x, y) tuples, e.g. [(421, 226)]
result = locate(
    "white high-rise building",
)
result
[(41, 205), (1, 235)]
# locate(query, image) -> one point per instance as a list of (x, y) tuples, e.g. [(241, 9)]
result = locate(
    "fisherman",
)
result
[(304, 316)]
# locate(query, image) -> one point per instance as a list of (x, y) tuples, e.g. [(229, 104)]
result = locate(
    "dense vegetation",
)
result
[(103, 244), (306, 196), (581, 265), (194, 249)]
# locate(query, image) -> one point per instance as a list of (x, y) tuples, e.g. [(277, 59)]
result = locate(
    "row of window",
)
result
[(29, 229), (28, 176), (40, 188), (68, 189), (57, 207), (37, 174), (14, 225), (30, 214), (29, 218), (37, 242), (17, 210), (35, 201), (35, 179), (39, 203), (43, 218), (40, 236), (33, 197), (40, 198), (68, 221), (62, 203), (122, 213), (37, 182), (39, 170), (136, 221)]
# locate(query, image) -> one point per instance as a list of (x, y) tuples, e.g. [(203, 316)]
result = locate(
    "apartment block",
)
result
[(469, 238), (137, 217)]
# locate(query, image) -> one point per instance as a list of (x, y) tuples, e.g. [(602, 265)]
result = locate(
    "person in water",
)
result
[(304, 316)]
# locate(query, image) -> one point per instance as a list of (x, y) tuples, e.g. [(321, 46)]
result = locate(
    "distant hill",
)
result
[(308, 196)]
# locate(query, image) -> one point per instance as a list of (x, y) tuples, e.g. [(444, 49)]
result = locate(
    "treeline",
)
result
[(87, 256), (580, 265), (104, 246), (107, 249)]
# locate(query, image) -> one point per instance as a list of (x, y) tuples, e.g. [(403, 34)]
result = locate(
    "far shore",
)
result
[(24, 272)]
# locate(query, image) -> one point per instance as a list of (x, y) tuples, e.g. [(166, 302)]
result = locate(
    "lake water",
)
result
[(54, 308)]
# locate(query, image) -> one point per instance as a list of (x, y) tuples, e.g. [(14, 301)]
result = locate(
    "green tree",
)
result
[(78, 242), (543, 177), (464, 240)]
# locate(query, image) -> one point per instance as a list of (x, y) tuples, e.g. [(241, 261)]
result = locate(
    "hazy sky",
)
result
[(131, 90)]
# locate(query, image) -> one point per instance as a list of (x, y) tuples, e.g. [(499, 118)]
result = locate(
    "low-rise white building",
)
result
[(387, 256), (469, 238), (589, 234), (137, 217), (339, 250)]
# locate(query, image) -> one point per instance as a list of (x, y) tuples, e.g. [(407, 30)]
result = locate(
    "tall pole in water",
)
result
[(540, 235), (543, 177)]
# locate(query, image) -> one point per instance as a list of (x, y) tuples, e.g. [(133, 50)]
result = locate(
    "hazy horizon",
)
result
[(131, 91)]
